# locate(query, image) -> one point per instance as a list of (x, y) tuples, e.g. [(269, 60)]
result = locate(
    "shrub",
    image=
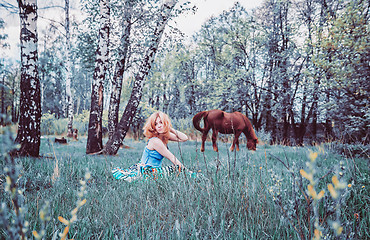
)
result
[(53, 126)]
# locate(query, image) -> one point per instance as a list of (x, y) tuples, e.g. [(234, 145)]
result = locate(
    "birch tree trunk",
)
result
[(14, 105), (119, 70), (68, 72), (94, 138), (3, 113), (114, 143), (30, 101)]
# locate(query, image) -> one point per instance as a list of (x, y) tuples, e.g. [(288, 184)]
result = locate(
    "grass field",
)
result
[(272, 193)]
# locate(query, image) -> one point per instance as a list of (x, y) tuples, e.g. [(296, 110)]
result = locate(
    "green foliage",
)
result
[(3, 37), (52, 126), (51, 72), (81, 122), (9, 90), (230, 198), (343, 56)]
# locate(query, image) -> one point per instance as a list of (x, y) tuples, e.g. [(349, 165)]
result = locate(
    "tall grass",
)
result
[(243, 195)]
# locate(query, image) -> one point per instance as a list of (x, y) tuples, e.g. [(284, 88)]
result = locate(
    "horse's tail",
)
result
[(197, 118)]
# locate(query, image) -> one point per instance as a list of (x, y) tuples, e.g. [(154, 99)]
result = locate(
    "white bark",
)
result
[(30, 102), (68, 69), (94, 140), (114, 143), (119, 70)]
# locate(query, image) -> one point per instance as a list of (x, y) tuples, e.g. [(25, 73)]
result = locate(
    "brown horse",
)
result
[(226, 123)]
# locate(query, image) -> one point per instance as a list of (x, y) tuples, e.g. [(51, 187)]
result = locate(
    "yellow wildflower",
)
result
[(8, 183), (321, 194), (63, 220), (313, 156), (42, 215), (338, 229), (82, 203), (332, 191), (317, 234), (74, 211), (349, 185), (36, 235), (306, 175), (312, 191), (335, 180), (64, 233), (337, 184)]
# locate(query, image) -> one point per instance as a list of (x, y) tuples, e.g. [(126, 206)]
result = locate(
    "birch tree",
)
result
[(94, 138), (114, 143), (69, 101), (119, 70), (30, 100)]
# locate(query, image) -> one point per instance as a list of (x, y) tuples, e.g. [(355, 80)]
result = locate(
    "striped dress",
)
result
[(150, 167)]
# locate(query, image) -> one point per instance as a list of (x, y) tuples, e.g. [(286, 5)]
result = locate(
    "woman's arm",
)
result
[(159, 146), (177, 136)]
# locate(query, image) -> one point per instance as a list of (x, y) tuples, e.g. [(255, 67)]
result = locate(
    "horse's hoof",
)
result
[(202, 150)]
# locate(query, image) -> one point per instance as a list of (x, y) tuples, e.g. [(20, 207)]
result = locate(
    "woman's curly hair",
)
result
[(149, 127)]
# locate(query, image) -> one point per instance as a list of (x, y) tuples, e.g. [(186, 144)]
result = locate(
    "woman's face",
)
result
[(159, 125)]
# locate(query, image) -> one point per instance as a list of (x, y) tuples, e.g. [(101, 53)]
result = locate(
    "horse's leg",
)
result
[(237, 144), (214, 139), (204, 138), (236, 141)]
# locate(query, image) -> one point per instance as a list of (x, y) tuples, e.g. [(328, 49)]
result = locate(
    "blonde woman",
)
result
[(159, 131)]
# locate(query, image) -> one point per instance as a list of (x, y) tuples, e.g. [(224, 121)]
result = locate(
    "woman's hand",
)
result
[(161, 148), (177, 136)]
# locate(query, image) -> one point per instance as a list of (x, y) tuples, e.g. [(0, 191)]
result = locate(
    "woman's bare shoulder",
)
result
[(154, 143)]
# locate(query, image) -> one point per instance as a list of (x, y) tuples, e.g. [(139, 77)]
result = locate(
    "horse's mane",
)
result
[(197, 118)]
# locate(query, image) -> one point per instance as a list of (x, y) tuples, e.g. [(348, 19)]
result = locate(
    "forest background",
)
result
[(298, 69)]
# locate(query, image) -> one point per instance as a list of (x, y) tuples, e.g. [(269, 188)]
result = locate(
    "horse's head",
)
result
[(251, 144)]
